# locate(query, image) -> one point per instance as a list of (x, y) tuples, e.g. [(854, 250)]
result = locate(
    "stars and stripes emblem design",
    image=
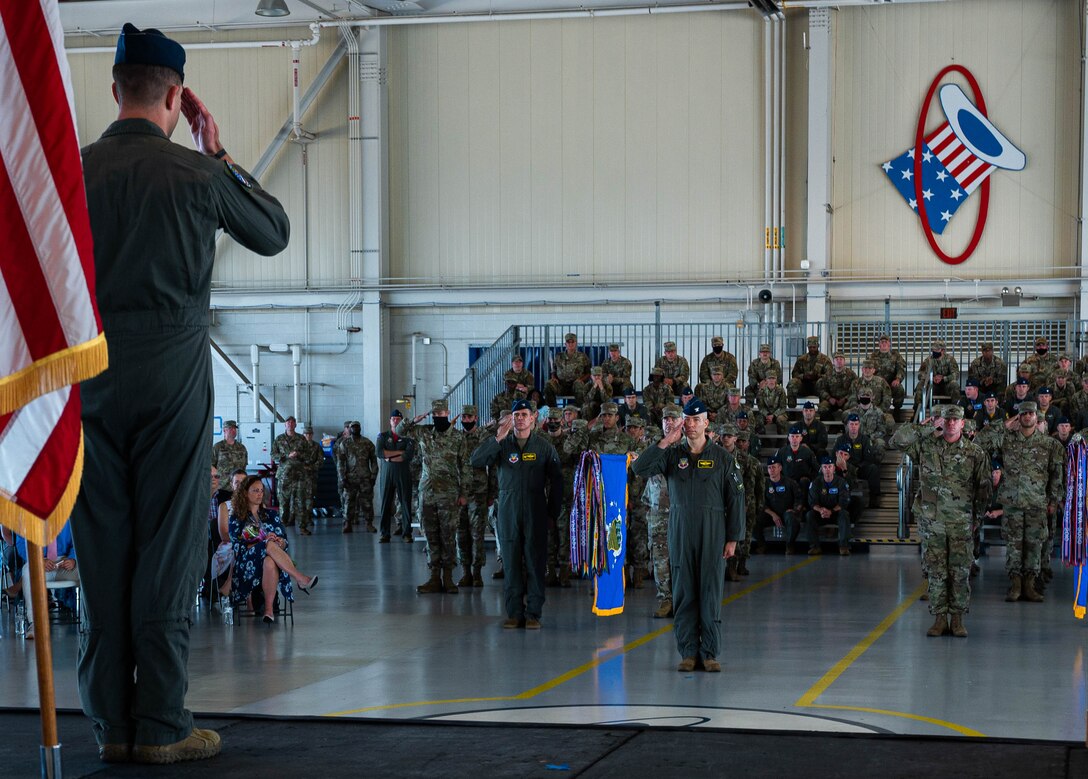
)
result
[(956, 158)]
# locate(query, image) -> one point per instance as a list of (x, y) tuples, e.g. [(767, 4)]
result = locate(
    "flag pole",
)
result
[(43, 653)]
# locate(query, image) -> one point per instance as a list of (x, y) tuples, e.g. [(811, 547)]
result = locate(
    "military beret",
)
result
[(613, 347), (517, 358), (728, 428), (765, 347), (774, 459), (797, 430), (521, 405), (579, 424), (1027, 407), (694, 407), (595, 371), (868, 364), (1044, 391), (670, 346), (439, 405), (717, 341), (972, 382), (808, 404), (1040, 340), (630, 392), (938, 344), (885, 337), (468, 410), (395, 413), (1064, 421), (570, 337), (687, 391), (842, 446), (952, 411), (987, 346), (635, 422), (742, 414), (826, 460), (671, 411), (837, 355), (813, 340), (230, 423), (555, 413), (609, 408), (1023, 381), (717, 369), (149, 47)]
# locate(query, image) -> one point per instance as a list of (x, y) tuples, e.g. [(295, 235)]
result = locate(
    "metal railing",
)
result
[(904, 482)]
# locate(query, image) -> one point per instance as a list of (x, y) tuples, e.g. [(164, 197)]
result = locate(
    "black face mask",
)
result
[(468, 426), (936, 355), (718, 349), (865, 401), (441, 424), (657, 379), (1040, 352)]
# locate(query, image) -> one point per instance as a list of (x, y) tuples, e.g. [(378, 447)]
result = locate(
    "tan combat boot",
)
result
[(664, 610), (1013, 594), (434, 584), (564, 576), (447, 580), (466, 579), (731, 574), (1029, 591), (958, 630), (939, 627)]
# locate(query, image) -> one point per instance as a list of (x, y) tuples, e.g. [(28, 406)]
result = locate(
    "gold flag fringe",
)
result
[(60, 369), (42, 530)]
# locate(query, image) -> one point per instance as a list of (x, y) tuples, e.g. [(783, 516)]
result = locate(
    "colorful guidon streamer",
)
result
[(1074, 536), (598, 524)]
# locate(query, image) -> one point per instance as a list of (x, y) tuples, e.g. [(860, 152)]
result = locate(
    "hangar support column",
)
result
[(818, 214)]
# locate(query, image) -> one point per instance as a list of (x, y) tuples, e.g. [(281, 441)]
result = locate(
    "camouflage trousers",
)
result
[(800, 387), (559, 539), (439, 518), (289, 495), (899, 394), (947, 554), (657, 526), (1025, 533), (471, 524), (1048, 543), (555, 388), (744, 548), (306, 508), (357, 501), (637, 554)]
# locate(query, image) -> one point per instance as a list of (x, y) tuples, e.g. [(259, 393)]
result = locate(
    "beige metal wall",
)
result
[(1025, 56), (607, 147), (248, 93)]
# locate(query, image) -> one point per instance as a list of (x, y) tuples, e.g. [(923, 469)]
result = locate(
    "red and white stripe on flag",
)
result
[(50, 332)]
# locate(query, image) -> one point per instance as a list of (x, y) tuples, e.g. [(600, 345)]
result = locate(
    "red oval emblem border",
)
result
[(919, 139)]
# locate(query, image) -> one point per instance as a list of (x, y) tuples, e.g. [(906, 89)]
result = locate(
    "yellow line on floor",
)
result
[(808, 700), (576, 672)]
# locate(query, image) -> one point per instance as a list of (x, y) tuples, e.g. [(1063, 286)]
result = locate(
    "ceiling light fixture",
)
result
[(272, 8)]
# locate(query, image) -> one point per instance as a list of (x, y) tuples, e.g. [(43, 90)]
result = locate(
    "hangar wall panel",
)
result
[(1026, 59), (596, 147)]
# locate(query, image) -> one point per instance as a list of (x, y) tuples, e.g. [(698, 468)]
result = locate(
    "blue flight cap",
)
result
[(809, 404), (1064, 421), (995, 464), (1044, 391), (853, 418), (842, 446), (825, 460), (396, 413), (149, 47), (742, 414), (797, 430), (989, 395), (774, 459), (972, 383), (694, 407), (687, 391), (1022, 380), (521, 405)]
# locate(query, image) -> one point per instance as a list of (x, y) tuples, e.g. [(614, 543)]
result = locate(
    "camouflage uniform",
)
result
[(757, 372), (313, 457), (1043, 366), (472, 517), (835, 385), (954, 487), (716, 396), (570, 370), (1033, 479), (656, 498), (638, 534), (1077, 411), (992, 375), (807, 372), (772, 401), (945, 366), (444, 473), (523, 377), (727, 361), (569, 445), (593, 396), (876, 426), (873, 387), (609, 440), (289, 475), (755, 477), (891, 367), (356, 470), (228, 458), (617, 372), (503, 402), (656, 397), (678, 370), (1062, 390)]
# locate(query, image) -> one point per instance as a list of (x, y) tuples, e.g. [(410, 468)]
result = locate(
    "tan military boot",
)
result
[(447, 580), (958, 630), (434, 584), (1029, 591), (731, 574), (664, 610), (1013, 594), (685, 665), (939, 627), (477, 578), (466, 579), (564, 576)]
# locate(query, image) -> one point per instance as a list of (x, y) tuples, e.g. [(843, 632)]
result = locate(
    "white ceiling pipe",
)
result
[(315, 36), (255, 357), (579, 13)]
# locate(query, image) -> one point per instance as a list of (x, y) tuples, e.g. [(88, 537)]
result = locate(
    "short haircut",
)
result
[(143, 85)]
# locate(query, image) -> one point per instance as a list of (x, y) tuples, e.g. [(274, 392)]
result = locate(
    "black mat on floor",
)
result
[(271, 747)]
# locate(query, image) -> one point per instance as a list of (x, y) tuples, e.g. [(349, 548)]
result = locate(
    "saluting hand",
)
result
[(201, 124), (671, 437), (505, 426)]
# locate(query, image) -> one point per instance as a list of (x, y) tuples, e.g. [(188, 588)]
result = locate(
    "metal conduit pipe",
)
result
[(781, 216), (296, 371), (315, 36), (776, 121), (255, 358), (767, 150)]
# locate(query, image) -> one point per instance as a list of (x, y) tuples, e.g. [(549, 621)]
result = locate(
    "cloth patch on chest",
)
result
[(514, 458), (705, 464), (529, 457), (682, 463)]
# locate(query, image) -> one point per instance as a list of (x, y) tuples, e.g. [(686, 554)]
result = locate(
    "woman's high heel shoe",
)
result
[(268, 619), (310, 586)]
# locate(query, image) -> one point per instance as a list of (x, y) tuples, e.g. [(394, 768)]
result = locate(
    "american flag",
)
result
[(950, 173), (50, 333)]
